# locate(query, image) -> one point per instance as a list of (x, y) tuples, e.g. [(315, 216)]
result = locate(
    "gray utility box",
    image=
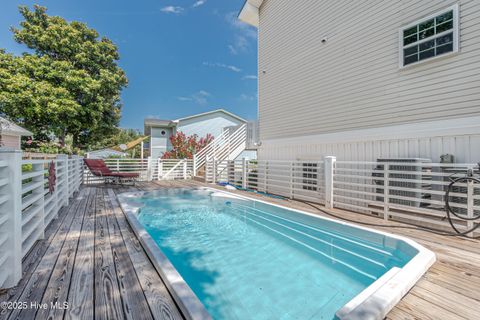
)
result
[(420, 183)]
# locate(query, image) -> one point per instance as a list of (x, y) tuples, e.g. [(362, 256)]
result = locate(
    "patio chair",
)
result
[(99, 169)]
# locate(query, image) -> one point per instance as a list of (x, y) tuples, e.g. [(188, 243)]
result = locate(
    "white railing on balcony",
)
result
[(27, 205), (404, 190), (227, 146)]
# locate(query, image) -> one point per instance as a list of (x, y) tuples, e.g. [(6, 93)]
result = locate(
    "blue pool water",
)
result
[(249, 260)]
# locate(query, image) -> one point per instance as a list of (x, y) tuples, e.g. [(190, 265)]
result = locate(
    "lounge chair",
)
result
[(99, 169)]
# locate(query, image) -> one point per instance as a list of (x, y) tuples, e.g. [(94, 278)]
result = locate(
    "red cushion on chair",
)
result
[(94, 162), (97, 167)]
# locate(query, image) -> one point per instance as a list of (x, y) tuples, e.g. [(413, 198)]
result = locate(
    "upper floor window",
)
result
[(431, 37)]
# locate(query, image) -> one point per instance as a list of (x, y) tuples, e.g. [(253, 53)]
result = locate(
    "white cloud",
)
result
[(244, 34), (250, 77), (222, 65), (199, 3), (246, 97), (232, 49), (200, 97), (172, 9)]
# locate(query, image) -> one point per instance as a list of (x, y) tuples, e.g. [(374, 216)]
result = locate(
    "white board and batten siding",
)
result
[(325, 98), (211, 123)]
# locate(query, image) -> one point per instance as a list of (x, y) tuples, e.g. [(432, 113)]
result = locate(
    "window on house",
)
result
[(310, 176), (431, 37)]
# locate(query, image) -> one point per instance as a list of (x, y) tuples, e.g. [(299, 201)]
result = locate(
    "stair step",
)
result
[(199, 178)]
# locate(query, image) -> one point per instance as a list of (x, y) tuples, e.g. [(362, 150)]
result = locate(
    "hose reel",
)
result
[(469, 178)]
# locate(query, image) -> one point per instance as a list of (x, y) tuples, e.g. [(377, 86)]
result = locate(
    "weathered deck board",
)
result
[(91, 258), (157, 295), (57, 287), (81, 299), (134, 302), (32, 260), (37, 283), (108, 302)]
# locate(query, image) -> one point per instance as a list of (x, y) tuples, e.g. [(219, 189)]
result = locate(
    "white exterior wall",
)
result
[(352, 83), (11, 141), (460, 137), (212, 123), (160, 143)]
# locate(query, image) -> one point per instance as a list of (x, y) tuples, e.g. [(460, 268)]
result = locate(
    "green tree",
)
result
[(69, 83)]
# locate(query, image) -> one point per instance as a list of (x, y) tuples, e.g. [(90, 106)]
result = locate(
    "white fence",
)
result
[(405, 190), (27, 206), (227, 146), (148, 169)]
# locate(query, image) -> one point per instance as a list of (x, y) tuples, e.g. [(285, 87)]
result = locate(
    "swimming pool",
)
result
[(232, 257)]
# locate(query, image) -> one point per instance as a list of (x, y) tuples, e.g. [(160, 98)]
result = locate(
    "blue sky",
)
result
[(181, 56)]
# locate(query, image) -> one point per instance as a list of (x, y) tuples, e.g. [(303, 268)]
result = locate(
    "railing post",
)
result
[(160, 169), (118, 165), (184, 169), (470, 205), (244, 173), (386, 191), (63, 158), (291, 186), (265, 178), (79, 165), (206, 171), (11, 208), (214, 169), (329, 173), (194, 165), (149, 169)]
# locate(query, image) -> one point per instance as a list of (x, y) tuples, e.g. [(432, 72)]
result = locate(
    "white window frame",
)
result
[(456, 36)]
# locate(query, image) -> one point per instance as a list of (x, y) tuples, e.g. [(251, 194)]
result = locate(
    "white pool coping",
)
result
[(373, 303)]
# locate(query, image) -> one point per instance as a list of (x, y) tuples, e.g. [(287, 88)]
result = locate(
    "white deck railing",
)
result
[(226, 146), (412, 192), (27, 206), (148, 169), (173, 169)]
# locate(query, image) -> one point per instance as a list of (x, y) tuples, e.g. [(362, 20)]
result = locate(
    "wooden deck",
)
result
[(91, 260)]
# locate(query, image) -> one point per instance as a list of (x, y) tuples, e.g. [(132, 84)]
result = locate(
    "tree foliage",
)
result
[(184, 147), (69, 83)]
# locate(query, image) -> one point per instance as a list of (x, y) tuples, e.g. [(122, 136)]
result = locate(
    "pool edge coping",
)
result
[(368, 304)]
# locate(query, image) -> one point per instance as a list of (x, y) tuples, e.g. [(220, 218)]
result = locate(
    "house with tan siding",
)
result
[(11, 134), (363, 80)]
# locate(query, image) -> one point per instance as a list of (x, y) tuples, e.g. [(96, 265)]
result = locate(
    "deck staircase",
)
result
[(227, 146)]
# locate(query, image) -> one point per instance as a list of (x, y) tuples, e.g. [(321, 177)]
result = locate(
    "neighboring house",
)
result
[(212, 122), (11, 134), (105, 153), (364, 80)]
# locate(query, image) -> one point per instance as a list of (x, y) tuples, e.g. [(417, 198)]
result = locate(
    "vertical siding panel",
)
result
[(475, 149)]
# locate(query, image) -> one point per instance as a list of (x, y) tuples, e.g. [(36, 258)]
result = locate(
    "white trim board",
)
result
[(438, 128)]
